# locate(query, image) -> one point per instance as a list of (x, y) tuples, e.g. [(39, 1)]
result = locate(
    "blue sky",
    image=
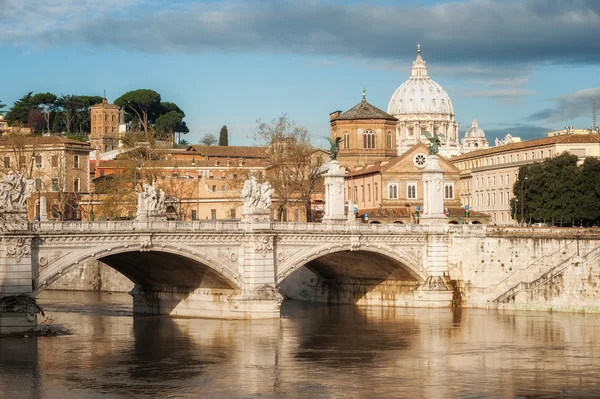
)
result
[(519, 66)]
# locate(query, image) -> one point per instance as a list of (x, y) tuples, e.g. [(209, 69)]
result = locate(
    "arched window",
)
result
[(106, 117), (346, 140), (449, 191), (389, 140), (393, 191), (368, 139)]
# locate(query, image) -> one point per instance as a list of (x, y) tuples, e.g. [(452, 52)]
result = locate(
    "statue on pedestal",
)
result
[(435, 141), (151, 201), (15, 189), (256, 196), (335, 147)]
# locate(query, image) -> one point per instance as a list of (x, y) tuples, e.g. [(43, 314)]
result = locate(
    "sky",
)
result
[(523, 67)]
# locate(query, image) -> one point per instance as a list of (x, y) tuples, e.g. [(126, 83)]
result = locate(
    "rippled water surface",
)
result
[(313, 351)]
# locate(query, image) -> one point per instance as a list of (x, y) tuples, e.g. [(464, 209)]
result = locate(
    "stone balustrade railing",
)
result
[(237, 226)]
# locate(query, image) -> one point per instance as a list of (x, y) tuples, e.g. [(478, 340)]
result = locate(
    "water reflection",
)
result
[(313, 351)]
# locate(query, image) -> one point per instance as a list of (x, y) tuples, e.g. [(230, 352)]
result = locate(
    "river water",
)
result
[(313, 351)]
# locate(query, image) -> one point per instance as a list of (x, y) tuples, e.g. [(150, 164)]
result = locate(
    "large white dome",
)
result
[(420, 94)]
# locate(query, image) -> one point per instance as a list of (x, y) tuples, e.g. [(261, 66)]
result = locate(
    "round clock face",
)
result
[(420, 160)]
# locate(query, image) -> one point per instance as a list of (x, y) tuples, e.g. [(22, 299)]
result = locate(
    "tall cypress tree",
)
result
[(223, 136)]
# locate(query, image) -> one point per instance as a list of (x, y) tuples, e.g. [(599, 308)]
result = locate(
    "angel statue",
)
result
[(335, 147), (435, 141)]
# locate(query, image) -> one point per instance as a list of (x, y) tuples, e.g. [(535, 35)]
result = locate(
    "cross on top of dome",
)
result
[(419, 68)]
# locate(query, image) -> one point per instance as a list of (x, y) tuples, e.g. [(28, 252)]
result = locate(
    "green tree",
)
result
[(47, 104), (224, 136), (2, 106), (167, 123), (19, 112), (141, 103), (558, 191)]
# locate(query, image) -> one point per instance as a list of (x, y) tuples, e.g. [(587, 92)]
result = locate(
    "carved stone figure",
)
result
[(256, 196), (435, 141), (151, 201), (15, 189)]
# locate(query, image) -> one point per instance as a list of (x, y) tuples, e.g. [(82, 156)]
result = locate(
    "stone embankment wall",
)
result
[(93, 276), (528, 269)]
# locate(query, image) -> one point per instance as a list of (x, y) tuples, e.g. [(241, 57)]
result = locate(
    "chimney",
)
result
[(334, 115)]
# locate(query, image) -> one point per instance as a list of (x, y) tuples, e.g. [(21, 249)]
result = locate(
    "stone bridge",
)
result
[(234, 269)]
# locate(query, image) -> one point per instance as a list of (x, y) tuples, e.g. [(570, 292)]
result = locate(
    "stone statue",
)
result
[(15, 189), (435, 141), (151, 201), (265, 195), (256, 196), (335, 147)]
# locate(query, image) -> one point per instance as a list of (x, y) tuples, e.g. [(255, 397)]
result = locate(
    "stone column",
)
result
[(334, 193), (43, 209), (433, 193)]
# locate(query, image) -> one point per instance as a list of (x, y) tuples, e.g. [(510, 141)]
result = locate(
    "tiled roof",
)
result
[(188, 163), (44, 140), (364, 110), (564, 139), (229, 151)]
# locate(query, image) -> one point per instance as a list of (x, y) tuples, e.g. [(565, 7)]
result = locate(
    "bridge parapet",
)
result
[(237, 226)]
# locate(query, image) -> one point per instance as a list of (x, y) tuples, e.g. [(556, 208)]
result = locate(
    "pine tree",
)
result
[(223, 136)]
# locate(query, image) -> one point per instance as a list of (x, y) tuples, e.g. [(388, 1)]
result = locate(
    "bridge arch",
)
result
[(218, 271), (397, 257)]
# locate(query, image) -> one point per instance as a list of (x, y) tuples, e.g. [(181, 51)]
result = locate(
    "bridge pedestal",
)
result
[(205, 303), (16, 274)]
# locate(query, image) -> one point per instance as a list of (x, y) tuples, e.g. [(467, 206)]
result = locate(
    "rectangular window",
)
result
[(194, 214), (449, 191), (76, 185), (214, 188), (54, 185), (38, 161), (375, 191), (355, 193), (501, 180), (362, 191), (393, 191), (296, 215), (101, 172), (76, 161), (223, 187), (494, 181), (369, 192), (38, 184), (411, 191), (55, 161), (232, 213), (213, 213), (7, 162)]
